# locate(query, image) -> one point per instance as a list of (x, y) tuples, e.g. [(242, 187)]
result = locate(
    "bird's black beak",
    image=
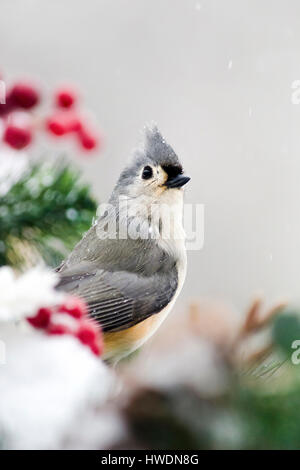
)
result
[(177, 181)]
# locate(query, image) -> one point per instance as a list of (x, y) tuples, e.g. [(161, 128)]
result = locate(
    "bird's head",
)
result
[(154, 174)]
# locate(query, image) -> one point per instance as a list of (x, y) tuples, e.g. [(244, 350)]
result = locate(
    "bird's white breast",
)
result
[(172, 240)]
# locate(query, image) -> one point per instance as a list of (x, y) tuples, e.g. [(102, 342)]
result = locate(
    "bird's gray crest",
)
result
[(157, 149), (154, 149)]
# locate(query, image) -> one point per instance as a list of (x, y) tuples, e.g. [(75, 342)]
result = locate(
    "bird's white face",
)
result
[(154, 201), (158, 184)]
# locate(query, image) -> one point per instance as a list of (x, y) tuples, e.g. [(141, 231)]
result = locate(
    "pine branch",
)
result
[(45, 212)]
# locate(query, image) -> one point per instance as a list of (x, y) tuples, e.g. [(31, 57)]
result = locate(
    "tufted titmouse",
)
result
[(131, 273)]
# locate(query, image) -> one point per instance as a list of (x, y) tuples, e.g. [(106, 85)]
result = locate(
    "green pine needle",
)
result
[(47, 210)]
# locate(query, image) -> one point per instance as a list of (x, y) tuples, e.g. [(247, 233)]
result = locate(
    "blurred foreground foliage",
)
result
[(44, 214), (245, 418), (258, 409)]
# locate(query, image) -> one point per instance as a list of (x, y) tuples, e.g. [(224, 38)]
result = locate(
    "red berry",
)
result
[(90, 334), (56, 329), (74, 307), (87, 332), (41, 319), (97, 348), (56, 126), (24, 96), (73, 124), (65, 98), (17, 137), (87, 140)]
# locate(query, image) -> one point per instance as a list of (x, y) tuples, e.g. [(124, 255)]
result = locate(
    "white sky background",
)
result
[(216, 75)]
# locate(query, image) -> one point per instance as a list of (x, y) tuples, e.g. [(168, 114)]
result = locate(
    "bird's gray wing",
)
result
[(120, 299)]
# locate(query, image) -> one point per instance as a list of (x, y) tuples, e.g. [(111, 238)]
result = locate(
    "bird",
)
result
[(131, 274)]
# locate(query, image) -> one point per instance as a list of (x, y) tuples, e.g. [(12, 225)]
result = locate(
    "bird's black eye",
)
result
[(147, 172)]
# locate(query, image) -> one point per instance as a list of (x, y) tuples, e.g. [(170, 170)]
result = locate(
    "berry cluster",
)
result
[(65, 120), (21, 97), (70, 318), (20, 123)]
